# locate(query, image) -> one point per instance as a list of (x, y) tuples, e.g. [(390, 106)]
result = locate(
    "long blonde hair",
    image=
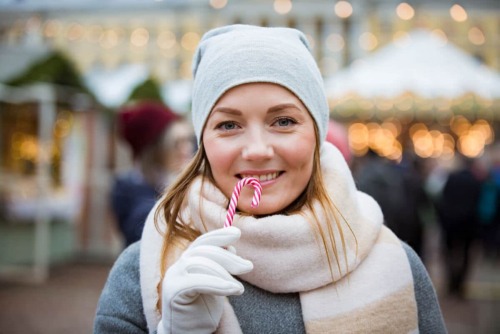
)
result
[(177, 230)]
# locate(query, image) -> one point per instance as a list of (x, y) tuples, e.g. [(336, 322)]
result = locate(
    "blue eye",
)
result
[(285, 121), (227, 126)]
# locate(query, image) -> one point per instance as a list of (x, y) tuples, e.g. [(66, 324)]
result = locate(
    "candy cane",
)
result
[(236, 194)]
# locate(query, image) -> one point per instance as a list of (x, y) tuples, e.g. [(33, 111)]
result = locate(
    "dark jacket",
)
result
[(458, 205), (132, 199)]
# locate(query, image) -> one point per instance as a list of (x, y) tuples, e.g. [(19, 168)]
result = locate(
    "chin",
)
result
[(261, 211)]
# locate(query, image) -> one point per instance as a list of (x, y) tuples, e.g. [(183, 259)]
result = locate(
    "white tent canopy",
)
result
[(113, 87), (422, 64)]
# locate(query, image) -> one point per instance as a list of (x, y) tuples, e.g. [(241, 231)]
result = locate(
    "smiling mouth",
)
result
[(262, 177)]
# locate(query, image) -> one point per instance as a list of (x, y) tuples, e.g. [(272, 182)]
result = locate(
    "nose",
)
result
[(257, 147)]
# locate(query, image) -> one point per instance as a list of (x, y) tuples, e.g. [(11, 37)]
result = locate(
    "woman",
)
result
[(314, 256)]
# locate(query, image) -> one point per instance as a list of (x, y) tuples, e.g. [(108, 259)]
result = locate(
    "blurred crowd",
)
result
[(462, 199)]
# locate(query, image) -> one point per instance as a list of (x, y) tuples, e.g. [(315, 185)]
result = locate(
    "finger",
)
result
[(233, 263), (199, 272), (221, 237), (206, 266), (212, 285)]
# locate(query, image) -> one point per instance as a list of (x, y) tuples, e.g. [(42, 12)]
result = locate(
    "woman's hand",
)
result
[(194, 286)]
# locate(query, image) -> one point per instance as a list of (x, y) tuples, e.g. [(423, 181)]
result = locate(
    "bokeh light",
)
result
[(405, 11), (381, 138), (190, 40), (218, 4), (282, 6), (139, 37), (476, 36), (458, 13), (343, 9)]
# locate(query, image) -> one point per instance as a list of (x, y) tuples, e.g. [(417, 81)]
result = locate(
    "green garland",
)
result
[(147, 90), (56, 68)]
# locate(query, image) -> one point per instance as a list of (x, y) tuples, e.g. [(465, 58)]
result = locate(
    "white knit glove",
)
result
[(194, 286)]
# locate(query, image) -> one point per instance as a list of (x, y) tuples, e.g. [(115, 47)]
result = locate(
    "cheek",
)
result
[(301, 153), (304, 167), (219, 158)]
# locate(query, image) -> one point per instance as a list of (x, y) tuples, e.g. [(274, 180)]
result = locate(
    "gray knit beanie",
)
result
[(237, 54)]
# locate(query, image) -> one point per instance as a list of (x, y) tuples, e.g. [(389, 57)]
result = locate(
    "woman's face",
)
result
[(261, 130)]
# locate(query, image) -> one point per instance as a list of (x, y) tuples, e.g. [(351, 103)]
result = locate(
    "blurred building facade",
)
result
[(164, 34), (132, 41)]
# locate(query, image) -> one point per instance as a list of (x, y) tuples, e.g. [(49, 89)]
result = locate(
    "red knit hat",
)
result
[(142, 123)]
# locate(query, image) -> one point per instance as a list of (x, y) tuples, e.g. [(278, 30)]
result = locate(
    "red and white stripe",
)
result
[(236, 194)]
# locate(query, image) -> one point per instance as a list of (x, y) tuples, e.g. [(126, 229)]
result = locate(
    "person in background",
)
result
[(161, 142), (489, 206), (458, 215), (312, 257), (398, 189)]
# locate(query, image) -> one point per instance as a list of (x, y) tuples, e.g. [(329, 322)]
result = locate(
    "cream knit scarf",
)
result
[(373, 292)]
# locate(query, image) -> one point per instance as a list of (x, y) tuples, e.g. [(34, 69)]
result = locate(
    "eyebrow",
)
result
[(280, 107), (226, 110), (273, 109)]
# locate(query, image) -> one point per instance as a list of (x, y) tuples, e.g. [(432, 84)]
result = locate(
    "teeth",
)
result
[(262, 178)]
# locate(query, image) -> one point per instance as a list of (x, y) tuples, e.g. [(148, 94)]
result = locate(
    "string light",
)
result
[(190, 40), (380, 138), (405, 11), (75, 32), (51, 28), (476, 36), (218, 4), (282, 6), (139, 37), (458, 13), (343, 9)]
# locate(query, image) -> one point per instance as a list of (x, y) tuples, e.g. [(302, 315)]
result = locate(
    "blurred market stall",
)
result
[(46, 120)]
